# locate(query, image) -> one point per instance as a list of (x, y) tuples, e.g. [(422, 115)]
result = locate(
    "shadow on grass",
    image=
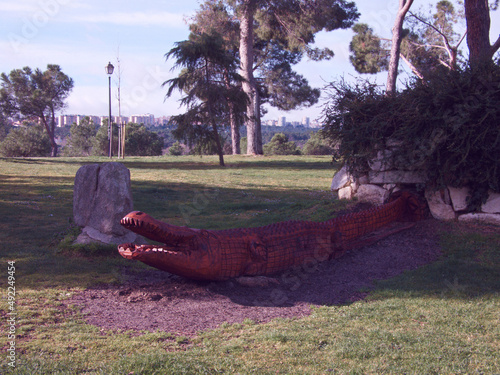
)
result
[(190, 163), (259, 164), (38, 212)]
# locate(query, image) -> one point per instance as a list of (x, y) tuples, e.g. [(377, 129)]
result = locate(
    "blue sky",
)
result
[(83, 36)]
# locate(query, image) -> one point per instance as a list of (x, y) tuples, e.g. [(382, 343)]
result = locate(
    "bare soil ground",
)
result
[(153, 300)]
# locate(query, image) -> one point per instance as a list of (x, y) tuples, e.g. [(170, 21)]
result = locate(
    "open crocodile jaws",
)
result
[(225, 254)]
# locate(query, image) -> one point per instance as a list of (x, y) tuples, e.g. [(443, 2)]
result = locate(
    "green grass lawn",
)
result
[(440, 319)]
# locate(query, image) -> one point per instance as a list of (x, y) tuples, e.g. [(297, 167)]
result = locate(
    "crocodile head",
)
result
[(183, 251)]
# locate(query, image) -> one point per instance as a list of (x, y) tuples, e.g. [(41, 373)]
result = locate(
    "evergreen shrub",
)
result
[(175, 149), (26, 141), (280, 145), (317, 145)]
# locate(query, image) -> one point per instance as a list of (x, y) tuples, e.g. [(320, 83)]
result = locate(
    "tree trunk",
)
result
[(235, 131), (477, 16), (249, 85), (235, 128), (216, 136), (50, 128), (392, 76), (219, 146)]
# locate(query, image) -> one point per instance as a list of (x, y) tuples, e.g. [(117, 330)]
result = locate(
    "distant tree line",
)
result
[(84, 139), (89, 139)]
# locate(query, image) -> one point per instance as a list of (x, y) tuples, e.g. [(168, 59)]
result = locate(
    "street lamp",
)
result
[(109, 70)]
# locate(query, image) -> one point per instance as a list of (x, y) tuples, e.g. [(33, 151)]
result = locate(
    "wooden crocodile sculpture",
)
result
[(224, 254)]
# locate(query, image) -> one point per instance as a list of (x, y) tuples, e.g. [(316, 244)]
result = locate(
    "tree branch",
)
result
[(495, 46), (412, 67), (462, 39), (445, 38), (444, 63)]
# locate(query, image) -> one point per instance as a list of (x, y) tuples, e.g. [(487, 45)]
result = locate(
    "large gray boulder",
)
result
[(102, 196), (341, 179)]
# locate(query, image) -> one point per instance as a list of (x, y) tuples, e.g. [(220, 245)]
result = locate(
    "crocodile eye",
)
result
[(138, 213)]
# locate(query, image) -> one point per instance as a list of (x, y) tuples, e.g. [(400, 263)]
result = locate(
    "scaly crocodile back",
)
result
[(224, 254)]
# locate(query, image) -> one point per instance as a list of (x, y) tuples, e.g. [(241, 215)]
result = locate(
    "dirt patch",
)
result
[(154, 300)]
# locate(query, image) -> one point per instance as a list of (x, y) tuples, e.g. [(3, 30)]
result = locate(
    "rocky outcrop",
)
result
[(384, 178)]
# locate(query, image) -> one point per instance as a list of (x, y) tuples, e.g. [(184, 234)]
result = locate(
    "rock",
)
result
[(382, 162), (345, 193), (484, 218), (91, 235), (389, 186), (437, 205), (363, 180), (341, 179), (372, 194), (84, 193), (395, 177), (458, 198), (102, 197), (354, 186), (492, 205)]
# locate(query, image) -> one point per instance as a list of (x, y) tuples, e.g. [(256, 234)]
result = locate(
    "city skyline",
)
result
[(150, 119)]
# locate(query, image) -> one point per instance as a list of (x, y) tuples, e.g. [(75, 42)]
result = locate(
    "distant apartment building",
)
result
[(271, 122), (148, 119), (120, 119), (306, 122), (162, 121), (115, 119), (95, 119), (68, 120)]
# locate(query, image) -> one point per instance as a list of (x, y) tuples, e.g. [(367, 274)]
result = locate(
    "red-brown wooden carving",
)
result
[(225, 254)]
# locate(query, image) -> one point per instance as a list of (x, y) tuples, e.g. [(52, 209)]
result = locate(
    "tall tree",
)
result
[(477, 15), (254, 132), (436, 36), (292, 23), (367, 52), (205, 62), (275, 80), (397, 37), (430, 43), (213, 18), (36, 95)]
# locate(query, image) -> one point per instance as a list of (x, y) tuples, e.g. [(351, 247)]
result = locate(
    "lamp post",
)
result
[(109, 70)]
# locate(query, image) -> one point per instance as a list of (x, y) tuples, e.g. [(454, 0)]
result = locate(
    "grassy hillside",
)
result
[(442, 318)]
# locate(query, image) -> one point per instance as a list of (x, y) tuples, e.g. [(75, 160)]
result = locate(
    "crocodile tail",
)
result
[(416, 208)]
